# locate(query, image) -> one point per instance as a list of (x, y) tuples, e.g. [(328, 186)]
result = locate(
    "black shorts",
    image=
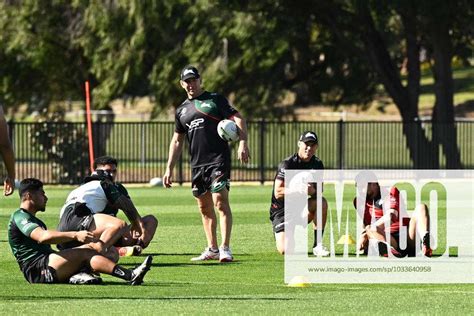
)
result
[(76, 217), (38, 271), (278, 222), (210, 178)]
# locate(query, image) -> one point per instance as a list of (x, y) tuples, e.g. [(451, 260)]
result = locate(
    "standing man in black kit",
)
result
[(197, 118)]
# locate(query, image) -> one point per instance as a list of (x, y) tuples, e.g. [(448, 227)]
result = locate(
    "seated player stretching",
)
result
[(30, 242), (376, 223)]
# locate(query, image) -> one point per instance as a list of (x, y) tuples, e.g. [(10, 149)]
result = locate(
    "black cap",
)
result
[(309, 136), (189, 72), (98, 175)]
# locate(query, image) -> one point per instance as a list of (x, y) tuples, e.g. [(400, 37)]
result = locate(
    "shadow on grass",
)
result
[(186, 264), (182, 254), (160, 298)]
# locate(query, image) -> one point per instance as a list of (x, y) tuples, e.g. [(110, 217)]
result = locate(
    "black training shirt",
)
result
[(293, 162), (198, 118)]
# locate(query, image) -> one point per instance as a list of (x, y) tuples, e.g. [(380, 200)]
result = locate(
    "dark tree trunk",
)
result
[(444, 128), (422, 152)]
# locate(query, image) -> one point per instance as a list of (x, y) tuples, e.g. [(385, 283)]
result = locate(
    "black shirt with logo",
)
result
[(198, 119), (293, 162)]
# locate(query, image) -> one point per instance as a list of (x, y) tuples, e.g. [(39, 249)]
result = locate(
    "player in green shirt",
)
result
[(30, 242)]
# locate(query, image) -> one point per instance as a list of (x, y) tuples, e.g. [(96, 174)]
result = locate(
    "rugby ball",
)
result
[(228, 130), (299, 181), (154, 182)]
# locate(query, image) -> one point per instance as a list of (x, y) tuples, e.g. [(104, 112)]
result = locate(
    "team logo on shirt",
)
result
[(26, 223), (195, 123), (208, 107)]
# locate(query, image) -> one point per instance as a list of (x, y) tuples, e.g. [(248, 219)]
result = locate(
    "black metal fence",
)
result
[(58, 152)]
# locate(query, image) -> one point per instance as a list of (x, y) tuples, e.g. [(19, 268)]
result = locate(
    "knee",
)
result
[(222, 206), (151, 221), (120, 224), (206, 210), (423, 209), (325, 206)]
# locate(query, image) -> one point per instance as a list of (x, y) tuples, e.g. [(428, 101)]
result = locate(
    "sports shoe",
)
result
[(225, 254), (384, 247), (129, 251), (361, 252), (321, 251), (207, 254), (84, 278), (139, 272), (396, 253), (425, 246)]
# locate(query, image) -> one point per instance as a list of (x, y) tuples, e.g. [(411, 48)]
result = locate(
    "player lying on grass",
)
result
[(30, 242), (304, 159), (376, 223), (93, 206)]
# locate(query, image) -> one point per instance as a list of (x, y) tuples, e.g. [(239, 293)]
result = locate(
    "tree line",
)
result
[(255, 52)]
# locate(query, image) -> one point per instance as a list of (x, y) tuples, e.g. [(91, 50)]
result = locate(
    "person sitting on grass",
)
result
[(376, 223), (94, 205), (128, 244), (30, 241)]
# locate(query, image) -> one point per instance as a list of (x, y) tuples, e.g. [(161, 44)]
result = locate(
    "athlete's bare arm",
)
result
[(176, 147)]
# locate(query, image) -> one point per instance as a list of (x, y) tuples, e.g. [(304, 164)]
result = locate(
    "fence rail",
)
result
[(57, 152)]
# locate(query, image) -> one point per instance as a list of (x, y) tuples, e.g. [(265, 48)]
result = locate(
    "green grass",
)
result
[(251, 285)]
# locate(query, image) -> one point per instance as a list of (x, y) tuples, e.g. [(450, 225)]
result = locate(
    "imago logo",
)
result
[(403, 226)]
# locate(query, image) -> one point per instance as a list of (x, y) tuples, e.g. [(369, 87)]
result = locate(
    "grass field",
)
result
[(251, 285)]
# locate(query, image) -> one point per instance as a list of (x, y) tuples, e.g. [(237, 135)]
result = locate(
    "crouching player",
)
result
[(376, 223), (303, 159), (30, 243)]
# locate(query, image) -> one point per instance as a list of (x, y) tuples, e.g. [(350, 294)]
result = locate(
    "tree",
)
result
[(424, 23), (39, 63)]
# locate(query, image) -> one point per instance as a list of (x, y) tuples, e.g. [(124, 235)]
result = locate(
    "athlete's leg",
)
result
[(209, 219), (319, 223), (312, 213), (378, 233), (150, 222), (363, 242), (108, 228), (419, 224), (70, 261), (280, 242), (221, 202)]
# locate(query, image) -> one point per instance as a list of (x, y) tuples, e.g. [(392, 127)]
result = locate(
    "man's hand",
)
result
[(311, 189), (98, 246), (85, 237), (167, 179), (144, 234), (137, 229), (8, 186), (243, 152)]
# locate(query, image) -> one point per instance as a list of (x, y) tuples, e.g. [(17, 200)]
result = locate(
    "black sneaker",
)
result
[(139, 272), (425, 246), (84, 278)]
